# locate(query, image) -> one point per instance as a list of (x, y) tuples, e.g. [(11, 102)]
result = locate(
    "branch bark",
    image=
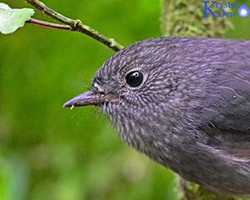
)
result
[(185, 18), (72, 25)]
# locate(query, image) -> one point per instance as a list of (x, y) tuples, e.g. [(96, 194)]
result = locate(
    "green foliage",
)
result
[(12, 19), (71, 154)]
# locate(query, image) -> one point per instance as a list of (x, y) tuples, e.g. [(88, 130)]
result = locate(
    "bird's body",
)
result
[(191, 110)]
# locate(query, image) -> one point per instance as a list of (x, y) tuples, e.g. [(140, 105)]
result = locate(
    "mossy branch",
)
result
[(185, 18), (192, 191), (70, 24)]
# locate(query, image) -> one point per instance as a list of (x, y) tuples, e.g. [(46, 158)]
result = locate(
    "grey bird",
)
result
[(185, 103)]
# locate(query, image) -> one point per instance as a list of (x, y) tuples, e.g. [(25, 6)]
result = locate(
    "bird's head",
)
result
[(136, 88)]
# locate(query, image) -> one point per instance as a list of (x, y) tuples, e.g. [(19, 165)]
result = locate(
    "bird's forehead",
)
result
[(116, 66), (142, 55)]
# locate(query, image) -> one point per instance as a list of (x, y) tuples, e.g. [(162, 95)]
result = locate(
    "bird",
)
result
[(185, 103)]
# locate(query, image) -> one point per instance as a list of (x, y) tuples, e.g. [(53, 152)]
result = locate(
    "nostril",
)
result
[(102, 94), (98, 88)]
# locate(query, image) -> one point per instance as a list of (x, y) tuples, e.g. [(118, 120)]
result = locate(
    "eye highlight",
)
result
[(134, 78)]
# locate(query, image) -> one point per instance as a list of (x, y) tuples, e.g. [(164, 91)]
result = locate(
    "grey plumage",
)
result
[(191, 112)]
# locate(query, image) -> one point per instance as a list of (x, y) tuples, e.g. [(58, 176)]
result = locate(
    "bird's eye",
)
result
[(134, 79)]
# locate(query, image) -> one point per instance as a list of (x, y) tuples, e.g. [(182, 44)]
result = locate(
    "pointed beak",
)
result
[(84, 99)]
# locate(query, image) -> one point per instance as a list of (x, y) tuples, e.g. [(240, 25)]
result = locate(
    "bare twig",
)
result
[(70, 24), (48, 24)]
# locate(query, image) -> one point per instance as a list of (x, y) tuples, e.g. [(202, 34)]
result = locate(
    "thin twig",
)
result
[(75, 25), (48, 24)]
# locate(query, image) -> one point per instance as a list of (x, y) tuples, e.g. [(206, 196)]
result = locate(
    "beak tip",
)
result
[(67, 104), (86, 98), (64, 105)]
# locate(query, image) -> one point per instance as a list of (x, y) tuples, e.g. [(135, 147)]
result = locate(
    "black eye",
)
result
[(134, 79)]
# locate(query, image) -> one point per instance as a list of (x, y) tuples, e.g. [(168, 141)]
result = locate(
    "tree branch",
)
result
[(48, 24), (72, 25)]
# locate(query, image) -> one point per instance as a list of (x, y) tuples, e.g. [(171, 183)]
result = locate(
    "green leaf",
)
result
[(12, 19)]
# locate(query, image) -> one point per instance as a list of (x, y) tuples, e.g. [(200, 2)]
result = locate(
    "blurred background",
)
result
[(47, 152)]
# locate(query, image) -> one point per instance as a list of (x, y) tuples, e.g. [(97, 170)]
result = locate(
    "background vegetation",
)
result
[(47, 152)]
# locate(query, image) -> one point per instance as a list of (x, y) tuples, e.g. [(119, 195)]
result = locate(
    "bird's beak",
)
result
[(84, 99)]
